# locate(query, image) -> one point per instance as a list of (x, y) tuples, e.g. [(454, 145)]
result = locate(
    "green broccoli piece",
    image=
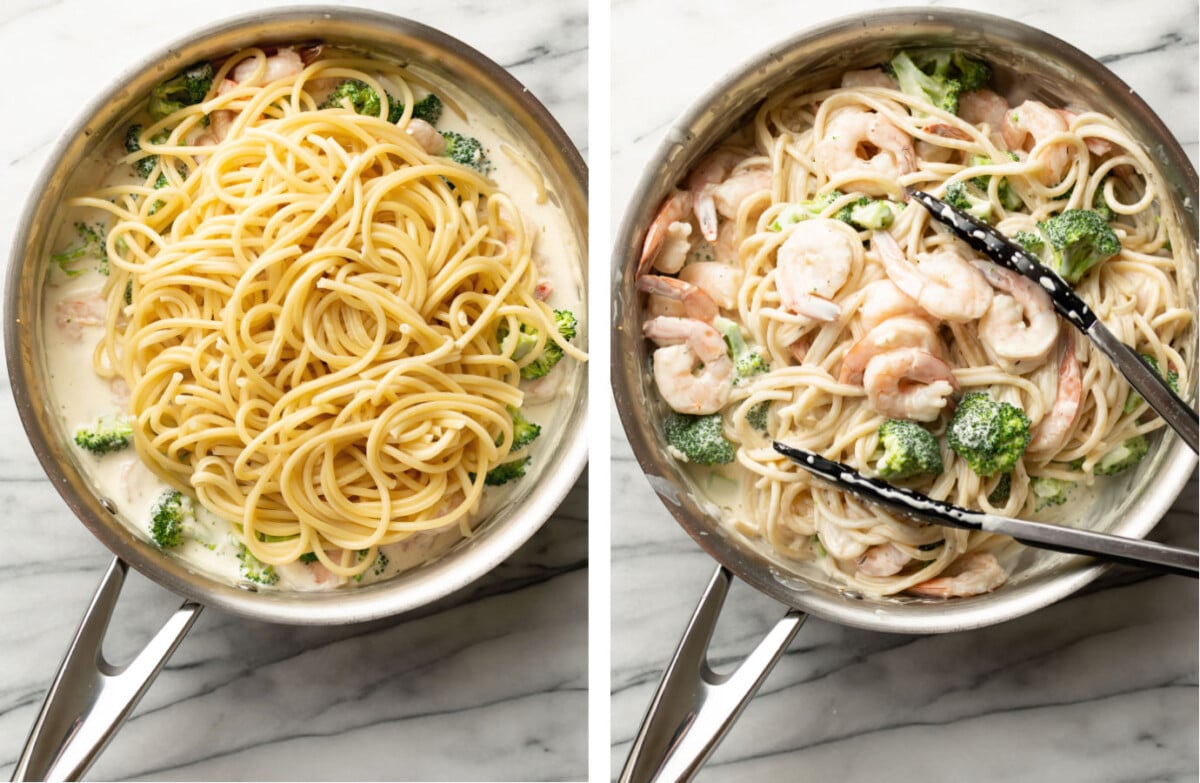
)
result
[(746, 362), (524, 431), (129, 291), (428, 108), (91, 245), (1123, 457), (794, 213), (990, 435), (144, 166), (962, 196), (504, 472), (999, 494), (106, 435), (868, 214), (908, 450), (1100, 204), (254, 570), (1078, 239), (169, 518), (526, 339), (1049, 491), (466, 150), (551, 353), (360, 97), (1171, 377), (756, 417), (936, 86), (1008, 196), (971, 73), (308, 557), (698, 439), (186, 89), (1030, 242)]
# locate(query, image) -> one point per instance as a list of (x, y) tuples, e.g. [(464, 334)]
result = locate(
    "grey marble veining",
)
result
[(489, 684), (1101, 687)]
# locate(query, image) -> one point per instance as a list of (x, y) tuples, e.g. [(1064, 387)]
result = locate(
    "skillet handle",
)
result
[(91, 698), (695, 706)]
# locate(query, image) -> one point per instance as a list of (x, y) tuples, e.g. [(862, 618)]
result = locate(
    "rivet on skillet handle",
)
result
[(1180, 416), (694, 706), (91, 698)]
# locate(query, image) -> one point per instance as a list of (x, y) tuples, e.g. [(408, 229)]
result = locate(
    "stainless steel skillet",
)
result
[(694, 706), (90, 697)]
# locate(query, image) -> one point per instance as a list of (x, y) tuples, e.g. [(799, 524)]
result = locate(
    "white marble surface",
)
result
[(1098, 688), (493, 687)]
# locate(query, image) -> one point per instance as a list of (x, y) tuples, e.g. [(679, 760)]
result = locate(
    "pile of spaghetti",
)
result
[(309, 305), (795, 296)]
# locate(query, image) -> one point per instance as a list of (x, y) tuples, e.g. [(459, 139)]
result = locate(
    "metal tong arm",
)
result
[(694, 706), (90, 698), (1178, 415)]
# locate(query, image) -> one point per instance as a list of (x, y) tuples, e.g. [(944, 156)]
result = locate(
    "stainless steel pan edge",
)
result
[(830, 49), (496, 540), (694, 706)]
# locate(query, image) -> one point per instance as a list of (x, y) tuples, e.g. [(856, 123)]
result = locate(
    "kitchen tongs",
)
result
[(914, 505), (1154, 389)]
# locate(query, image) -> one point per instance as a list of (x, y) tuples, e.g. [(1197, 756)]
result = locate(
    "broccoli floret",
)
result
[(971, 73), (937, 87), (746, 362), (254, 570), (908, 450), (466, 150), (756, 417), (551, 353), (1171, 377), (960, 195), (173, 520), (1078, 239), (505, 472), (308, 557), (524, 431), (698, 439), (1029, 242), (869, 214), (91, 245), (129, 291), (526, 339), (361, 98), (186, 89), (428, 108), (106, 435), (1123, 457), (794, 213), (1100, 204), (1008, 196), (990, 435), (1049, 491), (999, 494)]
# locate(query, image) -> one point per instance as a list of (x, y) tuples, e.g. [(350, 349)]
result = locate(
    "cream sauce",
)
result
[(79, 396)]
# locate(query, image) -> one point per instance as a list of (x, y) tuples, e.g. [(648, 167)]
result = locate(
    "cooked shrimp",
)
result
[(909, 383), (1037, 120), (1020, 324), (1051, 431), (74, 315), (894, 333), (882, 560), (883, 300), (980, 107), (972, 574), (865, 143), (696, 302), (942, 283), (870, 77), (710, 172), (687, 344), (427, 136), (729, 195), (720, 281), (664, 305), (672, 213), (1096, 145), (812, 264), (285, 62)]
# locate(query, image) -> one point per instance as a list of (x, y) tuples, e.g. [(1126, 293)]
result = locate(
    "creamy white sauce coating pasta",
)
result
[(356, 274), (807, 291)]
